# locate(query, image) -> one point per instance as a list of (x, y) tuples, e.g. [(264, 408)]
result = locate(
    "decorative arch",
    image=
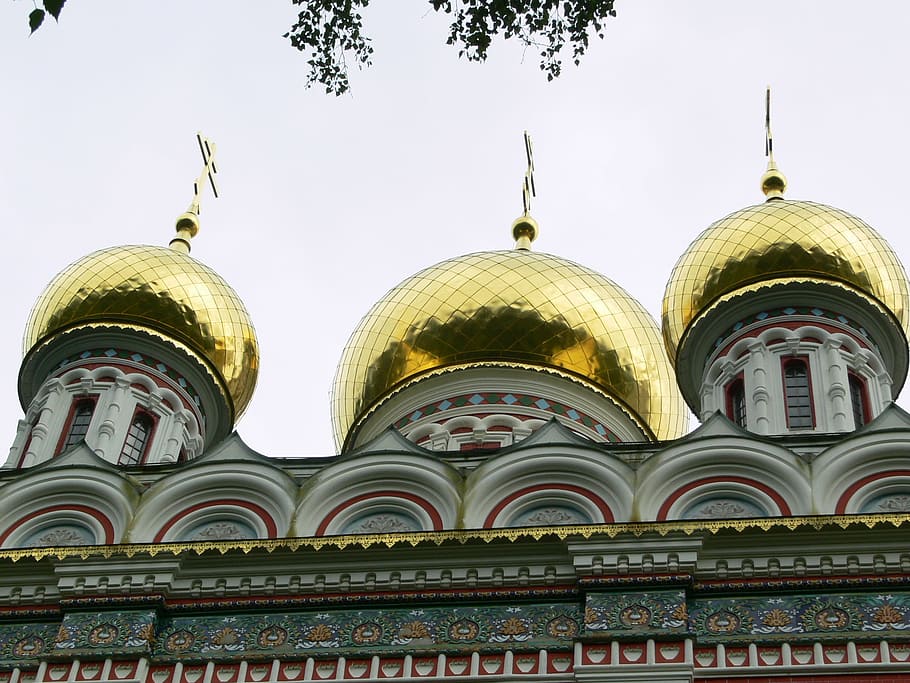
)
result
[(880, 493), (723, 497), (231, 486), (583, 482), (63, 524), (715, 465), (397, 490), (871, 464), (549, 505), (381, 512), (77, 492), (219, 520)]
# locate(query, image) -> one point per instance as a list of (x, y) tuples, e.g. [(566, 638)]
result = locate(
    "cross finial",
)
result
[(207, 148), (769, 142), (524, 229), (773, 182), (528, 190), (188, 223)]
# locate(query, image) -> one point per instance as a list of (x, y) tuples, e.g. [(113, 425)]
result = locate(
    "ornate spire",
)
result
[(773, 182), (524, 228), (188, 222)]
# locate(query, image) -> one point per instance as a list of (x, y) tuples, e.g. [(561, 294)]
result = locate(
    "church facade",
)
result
[(516, 494)]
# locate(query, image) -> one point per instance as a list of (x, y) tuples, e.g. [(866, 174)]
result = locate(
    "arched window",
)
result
[(137, 439), (798, 394), (77, 426), (858, 401), (736, 401)]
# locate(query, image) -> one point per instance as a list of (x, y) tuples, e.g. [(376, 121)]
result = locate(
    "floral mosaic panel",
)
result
[(623, 614), (457, 628), (98, 633), (790, 617), (25, 643)]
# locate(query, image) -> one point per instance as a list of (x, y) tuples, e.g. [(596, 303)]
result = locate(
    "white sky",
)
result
[(329, 202)]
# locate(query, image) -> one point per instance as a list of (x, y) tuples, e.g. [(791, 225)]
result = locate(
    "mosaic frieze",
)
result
[(532, 626), (631, 613), (97, 633), (789, 617), (21, 643)]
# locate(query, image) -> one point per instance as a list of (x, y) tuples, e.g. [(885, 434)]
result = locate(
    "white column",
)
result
[(106, 445), (835, 374), (55, 410), (759, 421), (173, 432)]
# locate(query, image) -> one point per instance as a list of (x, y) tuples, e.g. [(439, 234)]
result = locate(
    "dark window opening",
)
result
[(798, 394), (137, 439), (736, 402), (80, 420), (858, 401)]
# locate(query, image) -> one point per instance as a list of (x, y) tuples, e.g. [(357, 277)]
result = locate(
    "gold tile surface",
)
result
[(781, 239), (158, 289), (515, 306)]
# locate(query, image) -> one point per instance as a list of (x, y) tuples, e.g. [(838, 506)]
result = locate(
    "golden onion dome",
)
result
[(776, 241), (517, 308), (161, 290)]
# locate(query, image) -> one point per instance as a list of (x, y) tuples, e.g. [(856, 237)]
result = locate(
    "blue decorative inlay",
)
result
[(416, 415), (542, 403), (508, 398), (600, 429), (789, 310), (574, 414), (110, 353), (445, 405), (762, 315), (475, 399), (161, 367), (817, 311), (85, 354), (136, 357)]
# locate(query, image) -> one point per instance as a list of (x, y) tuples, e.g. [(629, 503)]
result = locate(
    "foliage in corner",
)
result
[(36, 16), (329, 31)]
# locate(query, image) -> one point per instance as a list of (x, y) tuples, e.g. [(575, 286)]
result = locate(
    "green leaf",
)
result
[(35, 17), (53, 7)]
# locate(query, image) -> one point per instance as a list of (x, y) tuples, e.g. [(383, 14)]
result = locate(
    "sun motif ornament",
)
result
[(178, 641), (272, 636)]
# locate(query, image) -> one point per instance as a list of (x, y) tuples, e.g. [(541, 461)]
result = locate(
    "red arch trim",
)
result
[(841, 507), (782, 506), (593, 497), (100, 517), (258, 510), (422, 502)]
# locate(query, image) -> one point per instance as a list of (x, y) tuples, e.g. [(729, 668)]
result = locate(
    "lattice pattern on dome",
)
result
[(162, 290), (781, 238), (518, 307)]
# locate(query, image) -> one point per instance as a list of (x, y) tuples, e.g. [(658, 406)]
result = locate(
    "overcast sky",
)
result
[(328, 202)]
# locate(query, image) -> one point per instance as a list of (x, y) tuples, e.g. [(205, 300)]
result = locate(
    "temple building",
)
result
[(516, 495)]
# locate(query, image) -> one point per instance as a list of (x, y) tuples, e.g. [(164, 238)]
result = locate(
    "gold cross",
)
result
[(207, 148), (527, 190), (769, 143)]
